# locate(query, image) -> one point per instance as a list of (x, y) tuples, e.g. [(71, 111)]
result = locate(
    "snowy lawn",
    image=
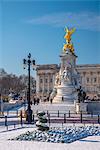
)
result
[(89, 143)]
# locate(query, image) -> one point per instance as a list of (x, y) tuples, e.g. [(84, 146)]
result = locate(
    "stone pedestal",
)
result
[(67, 79), (65, 93), (81, 107)]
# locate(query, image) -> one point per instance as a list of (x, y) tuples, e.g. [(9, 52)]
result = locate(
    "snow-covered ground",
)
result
[(89, 143)]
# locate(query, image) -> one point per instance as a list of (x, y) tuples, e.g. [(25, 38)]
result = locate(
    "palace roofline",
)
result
[(47, 66), (53, 66), (88, 65)]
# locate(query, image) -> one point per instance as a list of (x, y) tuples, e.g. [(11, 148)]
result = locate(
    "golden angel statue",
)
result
[(68, 34)]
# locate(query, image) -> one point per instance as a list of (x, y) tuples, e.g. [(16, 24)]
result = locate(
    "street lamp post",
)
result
[(1, 104), (28, 62)]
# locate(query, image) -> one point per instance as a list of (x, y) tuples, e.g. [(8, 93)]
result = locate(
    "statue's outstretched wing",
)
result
[(72, 30), (66, 29)]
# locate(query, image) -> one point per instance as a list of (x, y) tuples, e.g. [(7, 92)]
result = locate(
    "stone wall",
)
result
[(88, 107), (8, 106), (93, 107)]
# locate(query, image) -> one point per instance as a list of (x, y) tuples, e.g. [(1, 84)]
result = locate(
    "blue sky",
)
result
[(38, 27)]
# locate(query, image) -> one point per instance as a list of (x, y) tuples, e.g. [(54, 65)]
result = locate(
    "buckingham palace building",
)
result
[(89, 74)]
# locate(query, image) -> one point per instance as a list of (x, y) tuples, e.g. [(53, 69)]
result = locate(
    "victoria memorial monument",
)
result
[(67, 80)]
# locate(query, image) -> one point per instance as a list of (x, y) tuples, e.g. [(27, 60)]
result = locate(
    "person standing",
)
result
[(51, 100), (62, 98)]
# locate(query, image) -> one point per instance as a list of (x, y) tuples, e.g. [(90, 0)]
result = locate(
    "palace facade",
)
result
[(89, 73)]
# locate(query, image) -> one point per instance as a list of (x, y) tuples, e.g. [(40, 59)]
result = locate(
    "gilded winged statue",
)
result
[(68, 44), (68, 34)]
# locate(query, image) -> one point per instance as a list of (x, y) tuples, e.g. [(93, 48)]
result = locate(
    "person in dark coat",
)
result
[(51, 100), (62, 98)]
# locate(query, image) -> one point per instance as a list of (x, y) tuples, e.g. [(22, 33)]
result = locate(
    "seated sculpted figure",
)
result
[(57, 79), (65, 74)]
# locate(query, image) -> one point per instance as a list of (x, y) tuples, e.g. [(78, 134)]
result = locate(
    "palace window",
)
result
[(98, 72), (99, 80), (88, 89), (46, 80), (99, 88), (46, 90), (87, 80), (40, 89), (91, 80), (51, 80), (41, 81), (95, 80)]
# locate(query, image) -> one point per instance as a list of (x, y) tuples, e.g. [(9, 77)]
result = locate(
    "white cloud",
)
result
[(83, 20)]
